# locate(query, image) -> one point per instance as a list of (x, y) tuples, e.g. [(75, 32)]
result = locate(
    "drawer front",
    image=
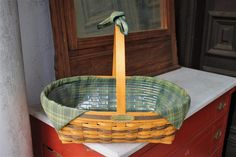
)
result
[(49, 152), (200, 134), (217, 153), (220, 107), (199, 147), (218, 133), (190, 129), (49, 144)]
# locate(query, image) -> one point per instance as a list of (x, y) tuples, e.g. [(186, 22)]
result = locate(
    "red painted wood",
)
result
[(46, 137), (198, 147), (203, 123), (217, 153), (48, 152), (219, 126), (191, 127), (194, 139), (50, 138), (36, 137)]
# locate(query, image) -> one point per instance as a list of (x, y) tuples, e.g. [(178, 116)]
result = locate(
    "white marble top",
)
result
[(203, 88)]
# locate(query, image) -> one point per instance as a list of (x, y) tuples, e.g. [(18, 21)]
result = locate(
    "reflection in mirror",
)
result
[(140, 15)]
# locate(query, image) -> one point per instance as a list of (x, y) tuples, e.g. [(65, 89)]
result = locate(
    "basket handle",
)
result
[(118, 69)]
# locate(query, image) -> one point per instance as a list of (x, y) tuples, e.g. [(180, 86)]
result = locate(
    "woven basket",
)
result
[(115, 108)]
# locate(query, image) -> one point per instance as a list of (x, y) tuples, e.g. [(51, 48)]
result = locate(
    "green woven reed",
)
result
[(65, 99)]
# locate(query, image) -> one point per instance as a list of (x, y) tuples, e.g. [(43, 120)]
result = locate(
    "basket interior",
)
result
[(99, 94)]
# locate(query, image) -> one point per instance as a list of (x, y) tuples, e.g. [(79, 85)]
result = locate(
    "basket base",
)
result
[(165, 140), (83, 130)]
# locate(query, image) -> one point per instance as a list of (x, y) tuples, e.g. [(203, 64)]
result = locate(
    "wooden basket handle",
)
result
[(118, 68)]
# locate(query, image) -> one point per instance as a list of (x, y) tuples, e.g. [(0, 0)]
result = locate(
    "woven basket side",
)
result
[(175, 96), (75, 95), (83, 130)]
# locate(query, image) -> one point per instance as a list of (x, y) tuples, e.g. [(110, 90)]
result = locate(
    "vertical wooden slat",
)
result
[(171, 25), (62, 65), (163, 14)]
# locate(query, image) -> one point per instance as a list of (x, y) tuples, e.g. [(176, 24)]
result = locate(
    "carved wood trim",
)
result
[(219, 51), (221, 36)]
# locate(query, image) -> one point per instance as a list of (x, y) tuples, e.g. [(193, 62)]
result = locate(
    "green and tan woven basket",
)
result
[(115, 108)]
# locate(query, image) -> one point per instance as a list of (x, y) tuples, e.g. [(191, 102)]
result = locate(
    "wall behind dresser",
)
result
[(37, 46)]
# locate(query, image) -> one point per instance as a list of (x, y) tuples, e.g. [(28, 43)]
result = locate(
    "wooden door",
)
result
[(206, 35), (206, 40), (219, 47), (219, 38)]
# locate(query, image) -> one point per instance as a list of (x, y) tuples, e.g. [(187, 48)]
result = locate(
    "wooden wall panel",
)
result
[(218, 51), (148, 52), (219, 54)]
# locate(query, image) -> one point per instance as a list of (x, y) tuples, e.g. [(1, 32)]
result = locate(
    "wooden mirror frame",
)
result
[(148, 53)]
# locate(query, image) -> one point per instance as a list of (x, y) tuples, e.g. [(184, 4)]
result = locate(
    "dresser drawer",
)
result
[(218, 133), (219, 107), (198, 147), (49, 152), (217, 153)]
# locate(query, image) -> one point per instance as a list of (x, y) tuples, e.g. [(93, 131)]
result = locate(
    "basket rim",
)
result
[(52, 108), (67, 80)]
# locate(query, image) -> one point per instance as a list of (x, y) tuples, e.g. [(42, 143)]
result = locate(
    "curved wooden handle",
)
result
[(118, 70)]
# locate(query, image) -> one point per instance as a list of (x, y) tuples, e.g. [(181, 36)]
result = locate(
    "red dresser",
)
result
[(201, 135)]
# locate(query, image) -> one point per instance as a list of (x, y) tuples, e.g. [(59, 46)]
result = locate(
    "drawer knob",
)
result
[(221, 106), (218, 134)]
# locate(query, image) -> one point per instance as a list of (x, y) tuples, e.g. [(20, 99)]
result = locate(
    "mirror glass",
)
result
[(140, 15)]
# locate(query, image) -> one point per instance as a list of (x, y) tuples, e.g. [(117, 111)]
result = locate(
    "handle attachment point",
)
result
[(117, 17)]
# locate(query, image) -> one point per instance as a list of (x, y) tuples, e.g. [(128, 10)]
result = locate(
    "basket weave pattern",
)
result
[(158, 108), (115, 108), (81, 130)]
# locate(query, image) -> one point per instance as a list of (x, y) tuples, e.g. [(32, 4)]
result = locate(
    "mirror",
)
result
[(140, 15)]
